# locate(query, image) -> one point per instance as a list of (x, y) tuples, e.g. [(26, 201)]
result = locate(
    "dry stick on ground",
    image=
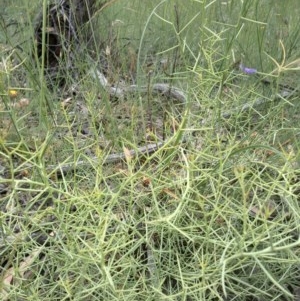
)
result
[(170, 92)]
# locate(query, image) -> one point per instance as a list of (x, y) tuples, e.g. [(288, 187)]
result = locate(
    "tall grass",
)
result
[(213, 216)]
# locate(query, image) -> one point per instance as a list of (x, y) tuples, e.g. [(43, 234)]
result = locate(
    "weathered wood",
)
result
[(64, 20)]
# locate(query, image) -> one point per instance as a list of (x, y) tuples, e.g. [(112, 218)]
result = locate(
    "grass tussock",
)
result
[(213, 214)]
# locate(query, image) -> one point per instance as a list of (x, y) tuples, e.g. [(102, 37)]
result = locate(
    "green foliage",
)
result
[(212, 215)]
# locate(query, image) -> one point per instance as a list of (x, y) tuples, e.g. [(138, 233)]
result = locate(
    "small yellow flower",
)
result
[(12, 93)]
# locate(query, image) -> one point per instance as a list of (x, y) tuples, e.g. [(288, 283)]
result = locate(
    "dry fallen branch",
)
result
[(170, 92)]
